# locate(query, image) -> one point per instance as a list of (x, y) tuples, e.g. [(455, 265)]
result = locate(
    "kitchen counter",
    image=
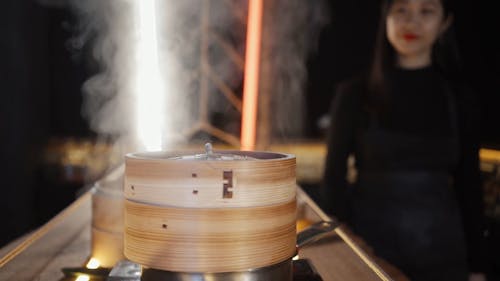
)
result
[(65, 242)]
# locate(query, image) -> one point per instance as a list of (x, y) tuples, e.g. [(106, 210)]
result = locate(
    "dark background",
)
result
[(42, 74)]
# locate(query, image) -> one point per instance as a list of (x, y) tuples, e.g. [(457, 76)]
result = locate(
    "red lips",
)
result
[(410, 36)]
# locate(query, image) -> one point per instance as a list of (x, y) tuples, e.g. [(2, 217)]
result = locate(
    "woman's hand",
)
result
[(477, 276)]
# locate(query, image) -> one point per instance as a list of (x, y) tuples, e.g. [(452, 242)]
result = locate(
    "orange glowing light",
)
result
[(251, 79)]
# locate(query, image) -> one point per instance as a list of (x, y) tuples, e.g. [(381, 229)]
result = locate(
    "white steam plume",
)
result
[(291, 33), (112, 28)]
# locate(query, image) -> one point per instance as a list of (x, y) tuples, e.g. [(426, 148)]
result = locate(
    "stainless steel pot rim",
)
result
[(251, 270)]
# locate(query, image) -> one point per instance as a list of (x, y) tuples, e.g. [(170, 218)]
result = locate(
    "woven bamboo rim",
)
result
[(209, 239), (156, 178)]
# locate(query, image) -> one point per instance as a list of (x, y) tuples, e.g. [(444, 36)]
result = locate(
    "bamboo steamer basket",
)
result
[(210, 212), (107, 221)]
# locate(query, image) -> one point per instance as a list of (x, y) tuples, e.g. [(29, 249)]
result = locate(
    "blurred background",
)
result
[(50, 153)]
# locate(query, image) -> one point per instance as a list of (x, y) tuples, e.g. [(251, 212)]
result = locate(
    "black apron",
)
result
[(404, 205)]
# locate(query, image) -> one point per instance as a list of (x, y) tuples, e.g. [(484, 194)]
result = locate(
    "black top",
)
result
[(417, 106)]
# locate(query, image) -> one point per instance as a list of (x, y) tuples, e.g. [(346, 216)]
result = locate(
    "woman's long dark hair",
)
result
[(445, 58)]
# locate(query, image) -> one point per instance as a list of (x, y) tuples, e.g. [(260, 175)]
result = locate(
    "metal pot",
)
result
[(277, 272)]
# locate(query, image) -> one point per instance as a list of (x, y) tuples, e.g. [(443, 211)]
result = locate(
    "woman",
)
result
[(409, 123)]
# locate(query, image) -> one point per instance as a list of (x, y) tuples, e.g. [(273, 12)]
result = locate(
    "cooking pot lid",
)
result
[(211, 155)]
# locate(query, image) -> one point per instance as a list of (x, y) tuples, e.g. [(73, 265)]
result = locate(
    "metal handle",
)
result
[(315, 232)]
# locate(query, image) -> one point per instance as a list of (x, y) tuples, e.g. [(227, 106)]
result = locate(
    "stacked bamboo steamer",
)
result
[(107, 219), (211, 212)]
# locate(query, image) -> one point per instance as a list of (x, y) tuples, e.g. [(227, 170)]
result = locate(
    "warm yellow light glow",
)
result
[(149, 89), (296, 258), (83, 277), (93, 263)]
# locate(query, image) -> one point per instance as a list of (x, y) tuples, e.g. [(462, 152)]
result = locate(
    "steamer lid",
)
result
[(211, 155)]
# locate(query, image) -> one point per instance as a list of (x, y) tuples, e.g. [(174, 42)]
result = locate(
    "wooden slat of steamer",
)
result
[(199, 183), (209, 240), (106, 247), (107, 210)]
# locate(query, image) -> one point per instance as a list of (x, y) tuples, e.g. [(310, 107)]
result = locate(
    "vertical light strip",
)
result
[(149, 89), (251, 80)]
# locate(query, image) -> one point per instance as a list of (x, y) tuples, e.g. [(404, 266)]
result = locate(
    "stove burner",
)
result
[(303, 270)]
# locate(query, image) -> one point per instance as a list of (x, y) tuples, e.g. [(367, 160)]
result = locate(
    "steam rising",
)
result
[(112, 96), (292, 29), (107, 26)]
